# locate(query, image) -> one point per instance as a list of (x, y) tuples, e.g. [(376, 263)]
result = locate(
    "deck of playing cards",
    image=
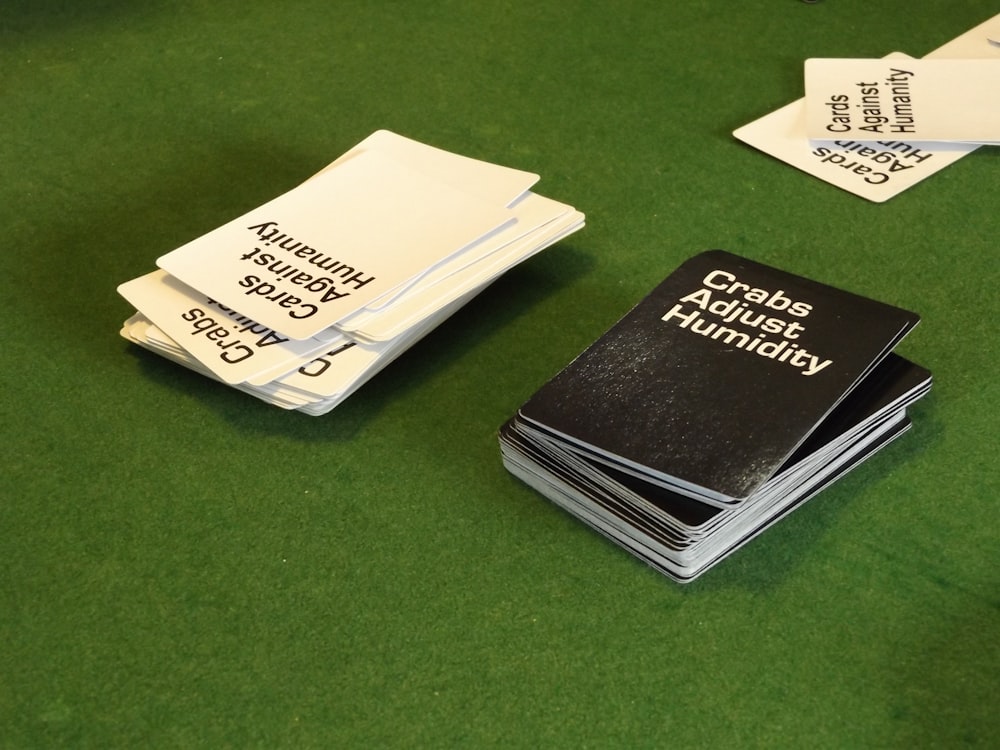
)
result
[(302, 300), (721, 402)]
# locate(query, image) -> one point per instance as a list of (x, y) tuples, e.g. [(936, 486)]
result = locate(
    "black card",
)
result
[(713, 380)]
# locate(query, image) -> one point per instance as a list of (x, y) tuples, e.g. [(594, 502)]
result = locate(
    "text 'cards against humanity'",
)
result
[(302, 299), (885, 157)]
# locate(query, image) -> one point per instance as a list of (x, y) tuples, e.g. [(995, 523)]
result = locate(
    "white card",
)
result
[(292, 364), (549, 221), (413, 310), (327, 248), (232, 346), (328, 380), (394, 232), (493, 183), (919, 100), (876, 171), (532, 213), (981, 42), (142, 332)]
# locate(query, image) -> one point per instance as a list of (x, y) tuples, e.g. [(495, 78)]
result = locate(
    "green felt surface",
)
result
[(184, 566)]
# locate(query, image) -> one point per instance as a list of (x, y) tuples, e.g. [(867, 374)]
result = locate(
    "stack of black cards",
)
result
[(720, 403), (303, 299)]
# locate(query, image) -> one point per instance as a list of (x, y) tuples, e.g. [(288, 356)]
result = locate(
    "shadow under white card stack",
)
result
[(725, 399), (302, 300)]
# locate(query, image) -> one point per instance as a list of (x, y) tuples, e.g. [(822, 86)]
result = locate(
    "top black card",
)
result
[(712, 381)]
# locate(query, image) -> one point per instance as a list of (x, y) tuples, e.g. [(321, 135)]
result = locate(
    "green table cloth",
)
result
[(184, 566)]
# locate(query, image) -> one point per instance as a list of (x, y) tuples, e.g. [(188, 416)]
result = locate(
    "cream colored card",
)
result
[(232, 346), (953, 100), (327, 248), (980, 42), (549, 221), (493, 183), (532, 214), (876, 171)]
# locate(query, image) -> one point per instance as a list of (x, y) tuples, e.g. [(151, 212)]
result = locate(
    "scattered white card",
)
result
[(920, 100), (876, 170), (979, 43)]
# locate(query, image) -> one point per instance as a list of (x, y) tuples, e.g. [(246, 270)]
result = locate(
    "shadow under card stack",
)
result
[(302, 300), (721, 402)]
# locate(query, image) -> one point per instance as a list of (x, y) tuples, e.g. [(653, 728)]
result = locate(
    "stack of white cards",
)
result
[(878, 127), (302, 300)]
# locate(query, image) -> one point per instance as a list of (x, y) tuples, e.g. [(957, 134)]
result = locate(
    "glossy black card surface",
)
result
[(717, 376)]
